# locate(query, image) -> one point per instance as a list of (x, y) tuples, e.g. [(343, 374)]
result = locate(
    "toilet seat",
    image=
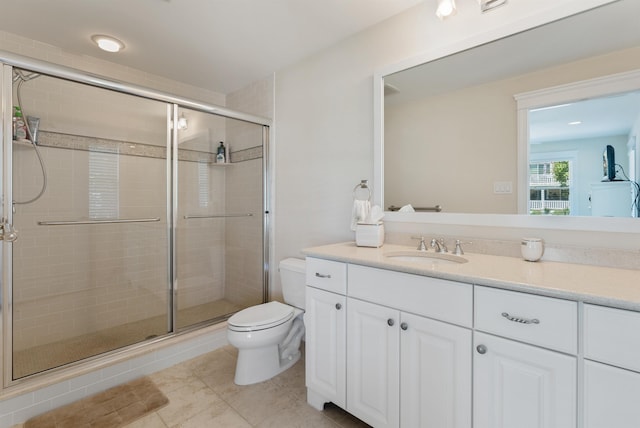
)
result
[(261, 317)]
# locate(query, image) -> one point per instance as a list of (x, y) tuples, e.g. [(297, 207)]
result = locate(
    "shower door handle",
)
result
[(9, 233)]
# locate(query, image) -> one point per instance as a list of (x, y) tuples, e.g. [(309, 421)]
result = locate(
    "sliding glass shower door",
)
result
[(219, 222), (135, 218), (91, 262)]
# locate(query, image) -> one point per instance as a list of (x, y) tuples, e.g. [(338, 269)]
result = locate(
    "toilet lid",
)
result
[(261, 316)]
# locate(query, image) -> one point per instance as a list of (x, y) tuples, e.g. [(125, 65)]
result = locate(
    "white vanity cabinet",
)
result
[(404, 368), (612, 367), (413, 351), (325, 329), (373, 358), (516, 384)]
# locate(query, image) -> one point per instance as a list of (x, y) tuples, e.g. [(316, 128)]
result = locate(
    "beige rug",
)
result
[(112, 408)]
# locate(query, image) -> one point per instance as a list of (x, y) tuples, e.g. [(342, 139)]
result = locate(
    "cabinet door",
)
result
[(435, 372), (521, 386), (325, 318), (373, 359), (611, 397)]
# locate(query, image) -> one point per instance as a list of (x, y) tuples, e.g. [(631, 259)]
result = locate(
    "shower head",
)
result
[(23, 76)]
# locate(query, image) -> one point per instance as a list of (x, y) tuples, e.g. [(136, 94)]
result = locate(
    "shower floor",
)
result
[(44, 357)]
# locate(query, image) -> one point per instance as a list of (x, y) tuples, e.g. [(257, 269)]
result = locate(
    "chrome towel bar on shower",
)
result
[(218, 216), (105, 221)]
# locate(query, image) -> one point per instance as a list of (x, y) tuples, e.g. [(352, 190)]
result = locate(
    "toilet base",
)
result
[(260, 364)]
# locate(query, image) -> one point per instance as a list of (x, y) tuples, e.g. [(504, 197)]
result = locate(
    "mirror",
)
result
[(451, 125)]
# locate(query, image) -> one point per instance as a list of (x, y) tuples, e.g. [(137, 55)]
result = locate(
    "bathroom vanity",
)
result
[(482, 341)]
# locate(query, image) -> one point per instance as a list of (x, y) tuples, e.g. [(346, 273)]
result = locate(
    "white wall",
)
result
[(324, 117)]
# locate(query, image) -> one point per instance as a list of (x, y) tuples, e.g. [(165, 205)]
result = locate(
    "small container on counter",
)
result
[(370, 234), (532, 249)]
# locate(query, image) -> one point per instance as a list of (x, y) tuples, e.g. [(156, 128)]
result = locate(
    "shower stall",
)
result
[(119, 225)]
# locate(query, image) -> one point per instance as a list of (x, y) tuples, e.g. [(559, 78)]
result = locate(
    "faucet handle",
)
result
[(458, 251), (421, 245)]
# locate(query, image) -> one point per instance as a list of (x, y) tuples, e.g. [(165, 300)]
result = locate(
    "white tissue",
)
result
[(407, 209), (360, 212), (375, 215)]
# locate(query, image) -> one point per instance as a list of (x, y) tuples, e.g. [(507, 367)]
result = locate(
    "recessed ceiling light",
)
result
[(107, 43), (577, 122)]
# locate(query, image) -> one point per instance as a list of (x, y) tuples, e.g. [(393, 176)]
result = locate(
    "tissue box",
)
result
[(370, 234)]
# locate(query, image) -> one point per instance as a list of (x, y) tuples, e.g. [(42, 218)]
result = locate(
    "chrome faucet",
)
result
[(439, 245)]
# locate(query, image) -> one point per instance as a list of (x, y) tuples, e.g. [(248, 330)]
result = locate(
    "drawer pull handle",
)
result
[(481, 349), (404, 326), (521, 320), (321, 275), (390, 322), (338, 306)]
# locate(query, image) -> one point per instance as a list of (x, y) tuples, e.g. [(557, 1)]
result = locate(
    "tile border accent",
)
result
[(78, 142)]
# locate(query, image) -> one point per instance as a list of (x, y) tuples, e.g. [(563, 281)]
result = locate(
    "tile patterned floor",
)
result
[(202, 394)]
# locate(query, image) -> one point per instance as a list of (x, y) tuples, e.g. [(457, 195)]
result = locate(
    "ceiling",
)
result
[(221, 45)]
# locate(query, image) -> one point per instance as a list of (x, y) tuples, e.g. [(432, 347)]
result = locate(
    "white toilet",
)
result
[(268, 336)]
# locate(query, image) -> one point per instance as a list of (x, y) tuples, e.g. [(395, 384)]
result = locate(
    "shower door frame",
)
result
[(7, 62)]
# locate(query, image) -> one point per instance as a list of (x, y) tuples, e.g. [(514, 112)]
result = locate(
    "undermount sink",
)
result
[(425, 257)]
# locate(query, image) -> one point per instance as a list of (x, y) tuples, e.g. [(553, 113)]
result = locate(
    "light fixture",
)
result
[(107, 43), (445, 9), (182, 122), (487, 5), (576, 122)]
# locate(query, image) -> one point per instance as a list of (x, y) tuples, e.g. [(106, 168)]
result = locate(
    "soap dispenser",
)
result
[(220, 157)]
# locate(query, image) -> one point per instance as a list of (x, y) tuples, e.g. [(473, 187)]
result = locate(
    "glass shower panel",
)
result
[(219, 234), (90, 266)]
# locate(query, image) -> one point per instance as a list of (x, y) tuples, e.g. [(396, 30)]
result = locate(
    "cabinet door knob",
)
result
[(481, 349), (390, 322), (404, 326), (338, 306)]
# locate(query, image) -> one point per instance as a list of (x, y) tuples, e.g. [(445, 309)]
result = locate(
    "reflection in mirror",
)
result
[(451, 125), (569, 145)]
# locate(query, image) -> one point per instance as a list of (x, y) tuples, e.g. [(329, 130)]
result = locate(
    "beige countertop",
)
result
[(591, 284)]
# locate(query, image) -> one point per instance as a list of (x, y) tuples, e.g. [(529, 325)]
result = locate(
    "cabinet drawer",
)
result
[(611, 336), (327, 275), (440, 299), (543, 321)]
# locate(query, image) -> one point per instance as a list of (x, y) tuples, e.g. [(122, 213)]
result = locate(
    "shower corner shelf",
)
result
[(220, 164), (22, 142)]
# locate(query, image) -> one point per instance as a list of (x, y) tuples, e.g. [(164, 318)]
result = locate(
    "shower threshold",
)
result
[(37, 359)]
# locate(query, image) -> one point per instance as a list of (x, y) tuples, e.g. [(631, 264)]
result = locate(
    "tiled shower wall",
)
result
[(77, 279)]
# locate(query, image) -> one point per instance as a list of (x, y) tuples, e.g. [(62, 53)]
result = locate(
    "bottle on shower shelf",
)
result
[(221, 156), (19, 127)]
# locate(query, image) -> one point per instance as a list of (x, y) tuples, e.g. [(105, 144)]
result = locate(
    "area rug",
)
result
[(114, 407)]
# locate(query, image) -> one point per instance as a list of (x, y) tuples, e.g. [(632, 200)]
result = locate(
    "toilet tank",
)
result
[(293, 278)]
